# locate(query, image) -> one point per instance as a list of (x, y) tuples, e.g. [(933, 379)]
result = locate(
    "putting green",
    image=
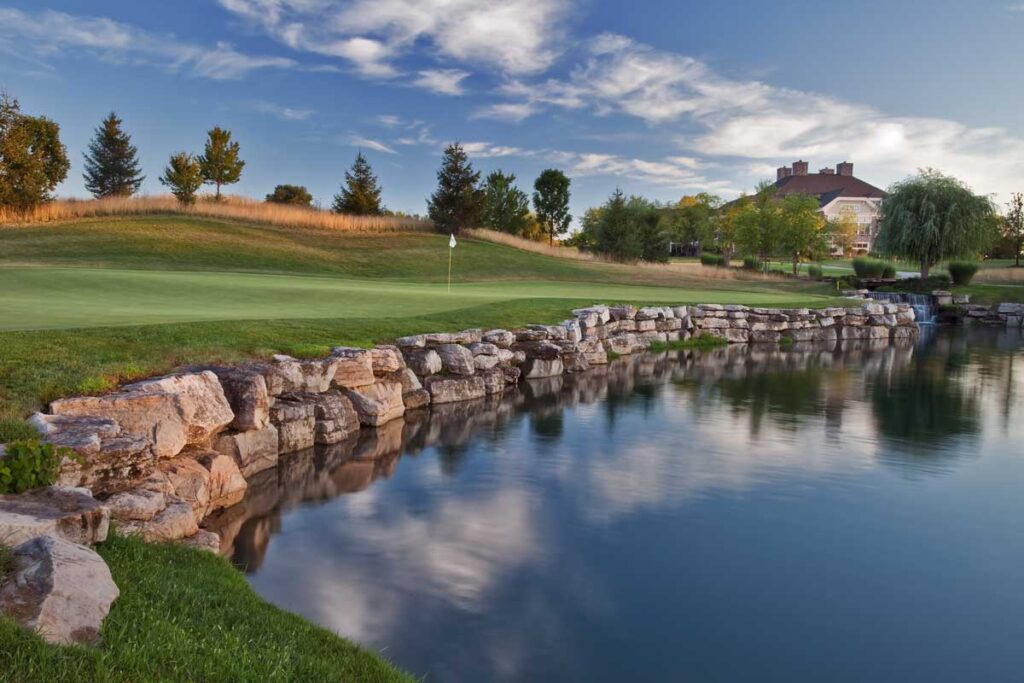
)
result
[(59, 298)]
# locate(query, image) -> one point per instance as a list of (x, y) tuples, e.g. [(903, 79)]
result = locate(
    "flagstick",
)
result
[(450, 250)]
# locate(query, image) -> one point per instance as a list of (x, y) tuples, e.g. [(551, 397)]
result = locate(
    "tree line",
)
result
[(928, 218)]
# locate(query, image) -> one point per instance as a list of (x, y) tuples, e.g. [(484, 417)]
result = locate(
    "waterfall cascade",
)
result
[(923, 304)]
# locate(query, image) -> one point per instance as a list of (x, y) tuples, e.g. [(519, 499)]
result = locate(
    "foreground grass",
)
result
[(186, 615)]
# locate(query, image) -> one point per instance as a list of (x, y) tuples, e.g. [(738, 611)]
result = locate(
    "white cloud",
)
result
[(756, 121), (507, 111), (513, 37), (284, 113), (53, 33), (442, 81), (369, 143)]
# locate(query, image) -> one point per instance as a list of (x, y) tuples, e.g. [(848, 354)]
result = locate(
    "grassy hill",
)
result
[(91, 302)]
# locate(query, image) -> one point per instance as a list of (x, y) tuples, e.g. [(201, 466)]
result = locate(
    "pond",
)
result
[(740, 513)]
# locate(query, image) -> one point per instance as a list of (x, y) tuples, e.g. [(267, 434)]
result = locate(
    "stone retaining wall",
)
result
[(165, 453), (1001, 315)]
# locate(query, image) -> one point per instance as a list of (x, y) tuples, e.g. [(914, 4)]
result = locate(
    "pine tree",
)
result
[(219, 161), (507, 208), (112, 162), (184, 176), (360, 195), (551, 202), (458, 201)]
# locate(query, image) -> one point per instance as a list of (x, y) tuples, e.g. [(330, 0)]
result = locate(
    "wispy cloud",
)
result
[(716, 116), (282, 112), (359, 141), (512, 37), (442, 81), (50, 34)]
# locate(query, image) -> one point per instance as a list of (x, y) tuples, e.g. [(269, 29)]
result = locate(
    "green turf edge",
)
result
[(188, 615)]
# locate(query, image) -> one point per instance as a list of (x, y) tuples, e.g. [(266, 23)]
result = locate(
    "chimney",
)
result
[(845, 168), (783, 172), (827, 171), (800, 167)]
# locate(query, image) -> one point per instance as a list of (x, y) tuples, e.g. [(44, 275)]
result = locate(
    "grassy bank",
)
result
[(187, 615), (92, 302)]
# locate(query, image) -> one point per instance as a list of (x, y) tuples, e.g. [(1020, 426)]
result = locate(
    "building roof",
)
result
[(827, 187)]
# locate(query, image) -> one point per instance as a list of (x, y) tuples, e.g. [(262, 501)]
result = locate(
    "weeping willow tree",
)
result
[(931, 217)]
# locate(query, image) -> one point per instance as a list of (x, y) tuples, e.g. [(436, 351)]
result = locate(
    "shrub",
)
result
[(962, 272), (751, 263), (918, 285), (889, 272), (296, 195), (870, 268), (716, 260), (29, 464), (815, 271)]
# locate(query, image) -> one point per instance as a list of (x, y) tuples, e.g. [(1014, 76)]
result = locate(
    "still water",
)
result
[(735, 514)]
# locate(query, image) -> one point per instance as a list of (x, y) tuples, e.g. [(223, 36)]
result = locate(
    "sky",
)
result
[(660, 98)]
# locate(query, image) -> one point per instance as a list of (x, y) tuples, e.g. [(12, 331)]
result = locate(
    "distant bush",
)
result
[(295, 195), (30, 464), (716, 260), (916, 285), (962, 272), (873, 268), (751, 263), (815, 271)]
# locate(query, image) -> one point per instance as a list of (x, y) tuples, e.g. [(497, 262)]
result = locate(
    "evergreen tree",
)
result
[(360, 195), (458, 201), (295, 195), (219, 161), (551, 202), (112, 163), (507, 208), (651, 234), (184, 175), (33, 161), (615, 233)]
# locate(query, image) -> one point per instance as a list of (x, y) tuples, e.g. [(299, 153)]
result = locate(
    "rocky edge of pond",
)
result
[(157, 457)]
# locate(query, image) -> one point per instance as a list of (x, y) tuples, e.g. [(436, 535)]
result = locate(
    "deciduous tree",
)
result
[(112, 162), (551, 202), (184, 177), (360, 195), (295, 195), (802, 234), (842, 230), (33, 161), (506, 207), (932, 217), (458, 201), (759, 223), (219, 161), (1013, 225)]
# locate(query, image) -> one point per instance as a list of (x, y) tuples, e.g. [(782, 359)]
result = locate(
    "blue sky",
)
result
[(661, 98)]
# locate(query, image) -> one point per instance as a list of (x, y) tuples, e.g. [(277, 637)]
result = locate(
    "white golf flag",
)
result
[(451, 241)]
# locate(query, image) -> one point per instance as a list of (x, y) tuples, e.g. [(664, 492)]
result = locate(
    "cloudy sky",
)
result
[(661, 97)]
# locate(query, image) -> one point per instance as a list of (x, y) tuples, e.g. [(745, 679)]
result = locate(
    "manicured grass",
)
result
[(187, 615), (992, 294)]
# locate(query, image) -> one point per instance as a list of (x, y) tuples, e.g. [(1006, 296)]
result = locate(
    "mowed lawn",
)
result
[(87, 304)]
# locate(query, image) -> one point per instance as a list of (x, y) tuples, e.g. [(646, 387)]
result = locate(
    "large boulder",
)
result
[(386, 359), (538, 367), (378, 403), (136, 505), (335, 416), (253, 451), (500, 338), (59, 589), (452, 389), (413, 394), (190, 481), (107, 461), (285, 374), (295, 419), (176, 521), (354, 367), (494, 381), (455, 359), (423, 362), (205, 408), (71, 513), (226, 483), (246, 391)]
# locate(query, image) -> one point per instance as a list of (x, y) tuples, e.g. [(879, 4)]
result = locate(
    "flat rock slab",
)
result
[(60, 589), (378, 403), (69, 513), (176, 521)]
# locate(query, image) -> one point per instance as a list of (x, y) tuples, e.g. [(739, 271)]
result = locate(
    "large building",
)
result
[(838, 192)]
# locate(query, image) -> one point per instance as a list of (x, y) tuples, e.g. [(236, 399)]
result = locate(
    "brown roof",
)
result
[(827, 187)]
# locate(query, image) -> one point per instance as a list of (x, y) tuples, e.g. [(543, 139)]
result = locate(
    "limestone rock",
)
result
[(483, 349), (226, 483), (204, 407), (418, 398), (494, 381), (335, 416), (574, 361), (174, 522), (203, 540), (70, 513), (295, 420), (456, 359), (246, 391), (501, 338), (378, 403), (82, 434), (511, 374), (423, 362), (191, 482), (452, 389), (417, 341), (253, 451), (386, 359), (354, 367), (538, 367), (59, 589), (139, 505), (485, 362), (467, 336), (544, 350), (158, 417)]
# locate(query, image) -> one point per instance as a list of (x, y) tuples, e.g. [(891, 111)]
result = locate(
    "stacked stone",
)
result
[(1009, 315), (461, 366)]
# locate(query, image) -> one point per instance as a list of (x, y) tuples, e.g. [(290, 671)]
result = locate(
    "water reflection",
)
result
[(605, 526)]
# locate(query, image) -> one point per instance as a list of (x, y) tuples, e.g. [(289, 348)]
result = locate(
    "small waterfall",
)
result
[(924, 308)]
